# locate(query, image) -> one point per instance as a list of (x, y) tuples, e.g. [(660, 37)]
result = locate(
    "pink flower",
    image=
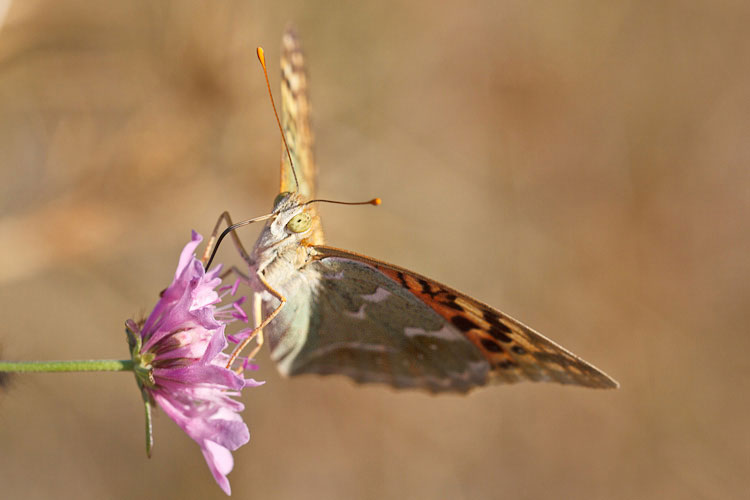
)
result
[(181, 367)]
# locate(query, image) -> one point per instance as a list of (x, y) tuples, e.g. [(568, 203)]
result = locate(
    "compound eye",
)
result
[(279, 198), (299, 223)]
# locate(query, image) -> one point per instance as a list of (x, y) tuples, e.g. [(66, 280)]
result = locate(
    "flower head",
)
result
[(181, 366)]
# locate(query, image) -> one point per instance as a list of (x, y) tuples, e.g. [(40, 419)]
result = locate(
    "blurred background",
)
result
[(583, 166)]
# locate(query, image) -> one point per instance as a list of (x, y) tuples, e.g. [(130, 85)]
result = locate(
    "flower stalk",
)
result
[(83, 365)]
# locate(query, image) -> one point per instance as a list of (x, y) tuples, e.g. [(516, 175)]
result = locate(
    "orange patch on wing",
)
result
[(457, 312)]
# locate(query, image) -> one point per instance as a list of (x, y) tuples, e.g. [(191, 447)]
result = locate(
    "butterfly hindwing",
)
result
[(376, 322), (514, 351)]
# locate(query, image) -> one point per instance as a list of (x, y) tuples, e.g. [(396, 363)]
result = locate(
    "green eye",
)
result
[(299, 223), (279, 198)]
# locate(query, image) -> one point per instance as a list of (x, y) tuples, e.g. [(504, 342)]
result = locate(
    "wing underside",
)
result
[(379, 323)]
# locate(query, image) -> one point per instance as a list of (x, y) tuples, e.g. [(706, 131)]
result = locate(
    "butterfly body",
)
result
[(338, 312)]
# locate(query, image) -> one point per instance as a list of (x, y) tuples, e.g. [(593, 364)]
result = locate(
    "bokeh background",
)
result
[(581, 165)]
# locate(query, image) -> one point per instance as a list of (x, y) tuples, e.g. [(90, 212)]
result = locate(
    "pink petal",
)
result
[(240, 336), (235, 287), (220, 462), (187, 253), (201, 374), (217, 344), (251, 382)]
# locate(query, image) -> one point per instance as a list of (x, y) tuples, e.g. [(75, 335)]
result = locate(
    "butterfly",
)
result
[(324, 310)]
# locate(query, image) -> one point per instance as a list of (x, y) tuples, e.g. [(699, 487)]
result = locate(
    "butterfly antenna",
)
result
[(229, 230), (374, 202), (262, 59)]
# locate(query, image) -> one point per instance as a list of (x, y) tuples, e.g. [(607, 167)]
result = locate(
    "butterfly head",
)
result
[(290, 221)]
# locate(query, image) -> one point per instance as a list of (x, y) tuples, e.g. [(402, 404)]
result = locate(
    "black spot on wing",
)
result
[(491, 346), (493, 318), (463, 323), (402, 279), (500, 334), (455, 306), (427, 288), (449, 300)]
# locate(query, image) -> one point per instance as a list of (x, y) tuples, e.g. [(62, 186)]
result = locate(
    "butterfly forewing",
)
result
[(295, 121)]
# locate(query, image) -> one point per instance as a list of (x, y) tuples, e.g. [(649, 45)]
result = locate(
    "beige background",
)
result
[(581, 165)]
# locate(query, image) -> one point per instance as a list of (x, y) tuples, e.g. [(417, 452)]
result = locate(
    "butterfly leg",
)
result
[(224, 217), (257, 333), (236, 270), (257, 313)]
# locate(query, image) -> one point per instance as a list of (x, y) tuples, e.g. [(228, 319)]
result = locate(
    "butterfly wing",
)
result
[(374, 322), (295, 121)]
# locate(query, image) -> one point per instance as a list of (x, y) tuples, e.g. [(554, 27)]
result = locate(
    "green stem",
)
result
[(87, 365)]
